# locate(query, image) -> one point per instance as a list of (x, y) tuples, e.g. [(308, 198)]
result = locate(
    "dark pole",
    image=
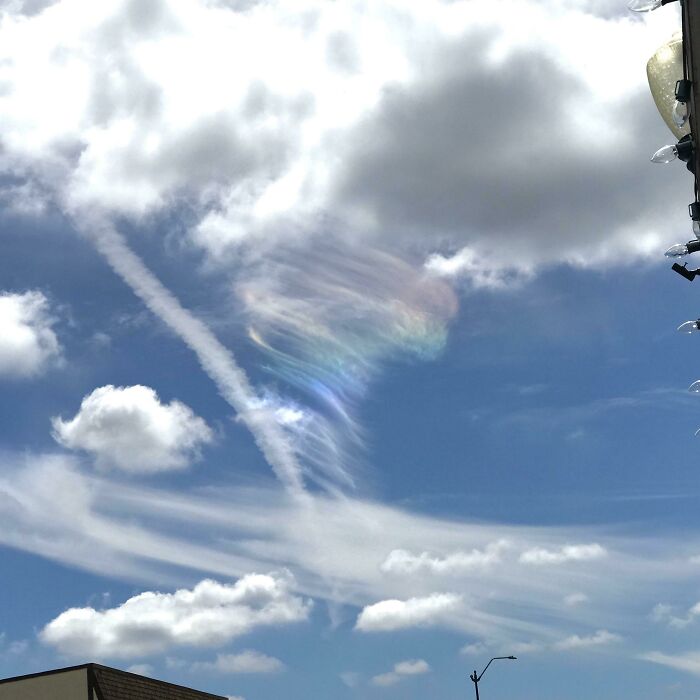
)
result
[(475, 679), (691, 35)]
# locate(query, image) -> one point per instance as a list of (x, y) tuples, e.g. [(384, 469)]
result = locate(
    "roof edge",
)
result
[(47, 673), (149, 678)]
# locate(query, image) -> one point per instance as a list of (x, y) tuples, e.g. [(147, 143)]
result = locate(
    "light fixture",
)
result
[(646, 5), (664, 70), (683, 150), (690, 327), (681, 249), (680, 111), (683, 271), (694, 213), (665, 154)]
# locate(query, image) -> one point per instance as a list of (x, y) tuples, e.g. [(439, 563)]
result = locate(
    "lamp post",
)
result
[(475, 679)]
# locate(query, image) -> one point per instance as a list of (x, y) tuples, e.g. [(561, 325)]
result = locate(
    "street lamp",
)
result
[(475, 679)]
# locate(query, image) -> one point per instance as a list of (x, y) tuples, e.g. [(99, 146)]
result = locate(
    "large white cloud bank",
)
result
[(210, 614), (410, 121), (128, 428)]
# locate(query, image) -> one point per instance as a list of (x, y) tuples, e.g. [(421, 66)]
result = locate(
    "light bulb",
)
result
[(689, 327), (695, 387), (677, 251), (679, 113), (665, 154), (643, 5), (696, 229)]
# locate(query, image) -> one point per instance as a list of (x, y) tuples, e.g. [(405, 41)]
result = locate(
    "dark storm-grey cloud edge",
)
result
[(485, 156)]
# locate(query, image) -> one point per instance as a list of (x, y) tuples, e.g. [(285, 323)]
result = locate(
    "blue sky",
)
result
[(338, 351)]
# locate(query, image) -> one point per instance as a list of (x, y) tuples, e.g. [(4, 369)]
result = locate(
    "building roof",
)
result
[(114, 684)]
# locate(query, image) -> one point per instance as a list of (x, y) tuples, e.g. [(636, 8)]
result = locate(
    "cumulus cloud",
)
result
[(402, 669), (600, 638), (570, 552), (128, 428), (389, 615), (210, 614), (247, 661), (388, 129), (400, 561), (28, 344)]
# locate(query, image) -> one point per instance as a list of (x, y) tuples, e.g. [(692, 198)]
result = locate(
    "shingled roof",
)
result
[(113, 684)]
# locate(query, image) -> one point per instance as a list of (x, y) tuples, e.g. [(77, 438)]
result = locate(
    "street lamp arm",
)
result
[(478, 678)]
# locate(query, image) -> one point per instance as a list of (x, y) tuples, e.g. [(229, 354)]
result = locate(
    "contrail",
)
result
[(216, 360)]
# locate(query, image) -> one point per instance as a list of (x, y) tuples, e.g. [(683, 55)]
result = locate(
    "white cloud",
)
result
[(482, 272), (128, 428), (664, 613), (210, 614), (569, 552), (574, 599), (474, 649), (350, 678), (401, 669), (600, 638), (247, 661), (28, 344), (133, 124), (156, 536), (401, 561), (141, 669), (688, 661), (388, 615)]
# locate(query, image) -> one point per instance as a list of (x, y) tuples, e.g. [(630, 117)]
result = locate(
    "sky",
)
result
[(338, 350)]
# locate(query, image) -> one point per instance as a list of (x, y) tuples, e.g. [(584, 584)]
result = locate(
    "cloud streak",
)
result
[(215, 359)]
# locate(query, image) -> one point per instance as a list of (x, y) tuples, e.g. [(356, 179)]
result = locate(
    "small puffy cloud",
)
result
[(574, 599), (570, 552), (474, 649), (388, 615), (664, 613), (141, 669), (525, 647), (401, 561), (28, 344), (402, 669), (480, 271), (210, 614), (128, 428), (350, 678), (600, 638), (248, 661)]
